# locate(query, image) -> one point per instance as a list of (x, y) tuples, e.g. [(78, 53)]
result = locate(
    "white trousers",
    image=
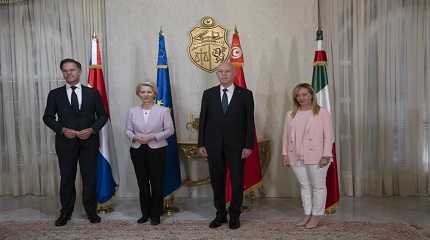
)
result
[(312, 186)]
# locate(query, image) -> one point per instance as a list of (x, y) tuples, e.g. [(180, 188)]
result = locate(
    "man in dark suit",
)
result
[(76, 114), (226, 139)]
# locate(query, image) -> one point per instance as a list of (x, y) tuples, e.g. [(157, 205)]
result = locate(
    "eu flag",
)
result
[(172, 172)]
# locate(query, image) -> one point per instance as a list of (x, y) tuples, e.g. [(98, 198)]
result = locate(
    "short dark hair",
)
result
[(69, 60)]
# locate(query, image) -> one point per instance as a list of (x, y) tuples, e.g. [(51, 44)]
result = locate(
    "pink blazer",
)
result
[(317, 141), (159, 123)]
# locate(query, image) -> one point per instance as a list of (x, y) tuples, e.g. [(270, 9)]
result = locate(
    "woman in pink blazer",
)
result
[(148, 127), (307, 149)]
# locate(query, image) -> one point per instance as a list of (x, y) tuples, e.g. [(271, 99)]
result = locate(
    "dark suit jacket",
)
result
[(235, 128), (91, 115)]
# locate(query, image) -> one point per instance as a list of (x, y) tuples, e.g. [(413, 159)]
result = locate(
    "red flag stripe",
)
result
[(252, 169), (96, 78)]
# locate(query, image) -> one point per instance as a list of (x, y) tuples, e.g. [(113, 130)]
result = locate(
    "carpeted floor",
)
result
[(193, 230)]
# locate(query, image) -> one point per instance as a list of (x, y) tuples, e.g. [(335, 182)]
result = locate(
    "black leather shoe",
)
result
[(143, 219), (94, 218), (218, 221), (62, 219), (155, 222), (234, 223)]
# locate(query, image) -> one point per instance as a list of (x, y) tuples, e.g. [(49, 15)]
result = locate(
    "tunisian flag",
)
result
[(252, 168)]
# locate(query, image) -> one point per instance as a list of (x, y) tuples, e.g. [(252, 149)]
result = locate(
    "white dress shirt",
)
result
[(78, 92), (229, 92)]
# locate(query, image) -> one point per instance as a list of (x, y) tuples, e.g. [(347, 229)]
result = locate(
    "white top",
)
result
[(301, 121), (229, 92), (146, 114), (78, 92)]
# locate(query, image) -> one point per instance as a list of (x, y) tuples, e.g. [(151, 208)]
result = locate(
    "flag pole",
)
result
[(168, 204), (319, 15), (105, 207), (320, 85), (250, 195), (169, 207), (252, 168)]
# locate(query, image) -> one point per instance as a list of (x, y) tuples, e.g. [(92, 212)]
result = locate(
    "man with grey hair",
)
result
[(226, 139)]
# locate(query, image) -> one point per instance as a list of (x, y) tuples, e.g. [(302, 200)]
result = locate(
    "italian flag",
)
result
[(320, 85)]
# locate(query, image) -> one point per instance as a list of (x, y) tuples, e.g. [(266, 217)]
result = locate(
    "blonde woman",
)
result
[(307, 149), (148, 127)]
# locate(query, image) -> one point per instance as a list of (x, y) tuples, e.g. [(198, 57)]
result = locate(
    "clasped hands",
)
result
[(245, 152), (83, 134), (143, 138), (322, 163)]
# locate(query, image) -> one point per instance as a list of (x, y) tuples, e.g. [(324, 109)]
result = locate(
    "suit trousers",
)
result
[(313, 188), (218, 160), (149, 168), (69, 152)]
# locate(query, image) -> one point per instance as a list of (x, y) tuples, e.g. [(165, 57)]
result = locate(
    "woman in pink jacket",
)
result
[(307, 149)]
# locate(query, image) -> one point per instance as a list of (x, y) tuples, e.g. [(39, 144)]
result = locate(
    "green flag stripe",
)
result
[(319, 77)]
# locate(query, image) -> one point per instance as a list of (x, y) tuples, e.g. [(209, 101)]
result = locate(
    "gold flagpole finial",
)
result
[(235, 29), (94, 35)]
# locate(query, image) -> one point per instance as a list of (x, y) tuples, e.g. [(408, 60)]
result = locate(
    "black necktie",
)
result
[(74, 100), (224, 100)]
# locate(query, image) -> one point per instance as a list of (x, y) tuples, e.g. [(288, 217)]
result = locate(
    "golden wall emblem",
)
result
[(208, 47)]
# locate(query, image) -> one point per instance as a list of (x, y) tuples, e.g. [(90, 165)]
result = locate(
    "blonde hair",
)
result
[(307, 86), (146, 84)]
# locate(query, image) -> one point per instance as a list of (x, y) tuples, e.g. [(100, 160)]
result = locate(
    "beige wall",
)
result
[(277, 37)]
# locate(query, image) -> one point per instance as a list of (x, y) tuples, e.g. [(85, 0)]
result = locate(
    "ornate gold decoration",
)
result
[(193, 124), (169, 208), (106, 207), (208, 45), (190, 152), (331, 209), (265, 151)]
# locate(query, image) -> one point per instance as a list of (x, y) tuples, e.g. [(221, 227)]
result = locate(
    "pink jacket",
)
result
[(317, 141), (160, 124)]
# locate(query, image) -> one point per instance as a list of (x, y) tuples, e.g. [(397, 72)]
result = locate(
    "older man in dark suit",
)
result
[(226, 138), (76, 114)]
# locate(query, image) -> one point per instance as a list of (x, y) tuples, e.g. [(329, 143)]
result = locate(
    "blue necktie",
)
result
[(224, 100)]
